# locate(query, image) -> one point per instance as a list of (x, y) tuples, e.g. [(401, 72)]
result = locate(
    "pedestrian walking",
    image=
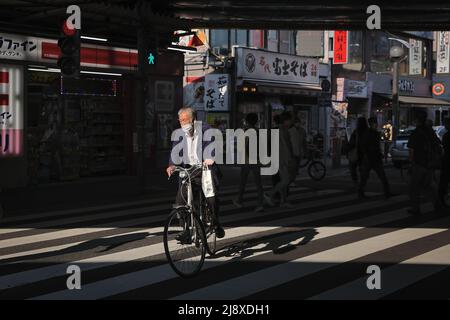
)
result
[(286, 163), (445, 169), (423, 147), (251, 120), (372, 159), (354, 149)]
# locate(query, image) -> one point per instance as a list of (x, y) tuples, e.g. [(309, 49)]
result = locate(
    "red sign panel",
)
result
[(96, 56), (340, 47), (4, 88)]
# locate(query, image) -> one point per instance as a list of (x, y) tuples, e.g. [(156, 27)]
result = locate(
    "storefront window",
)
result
[(379, 59), (219, 38), (272, 40), (239, 37), (355, 51), (256, 38), (72, 133), (285, 41), (414, 63)]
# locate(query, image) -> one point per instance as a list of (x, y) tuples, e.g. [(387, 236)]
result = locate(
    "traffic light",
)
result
[(69, 44), (152, 51)]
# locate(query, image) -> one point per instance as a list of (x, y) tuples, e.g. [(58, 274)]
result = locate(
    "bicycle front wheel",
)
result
[(317, 170), (184, 243)]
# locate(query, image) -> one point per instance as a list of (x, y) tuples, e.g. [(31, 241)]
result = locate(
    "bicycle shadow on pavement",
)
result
[(278, 243)]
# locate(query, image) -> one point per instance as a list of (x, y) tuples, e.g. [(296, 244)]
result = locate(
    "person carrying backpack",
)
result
[(425, 154)]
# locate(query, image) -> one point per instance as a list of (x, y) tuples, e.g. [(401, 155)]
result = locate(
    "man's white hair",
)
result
[(187, 110)]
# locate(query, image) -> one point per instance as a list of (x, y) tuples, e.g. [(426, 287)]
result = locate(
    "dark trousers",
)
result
[(353, 166), (213, 202), (245, 171), (443, 183), (377, 166), (422, 178)]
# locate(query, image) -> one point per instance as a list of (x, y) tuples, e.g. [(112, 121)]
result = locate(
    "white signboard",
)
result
[(216, 92), (442, 55), (340, 85), (272, 66), (415, 57), (18, 47)]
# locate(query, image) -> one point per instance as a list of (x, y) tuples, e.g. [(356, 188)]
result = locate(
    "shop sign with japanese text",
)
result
[(340, 47), (271, 66), (442, 55), (216, 92)]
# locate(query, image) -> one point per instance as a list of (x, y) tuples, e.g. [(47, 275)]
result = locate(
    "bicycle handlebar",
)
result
[(187, 170)]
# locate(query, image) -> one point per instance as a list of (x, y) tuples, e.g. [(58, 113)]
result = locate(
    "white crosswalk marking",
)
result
[(34, 255), (393, 278)]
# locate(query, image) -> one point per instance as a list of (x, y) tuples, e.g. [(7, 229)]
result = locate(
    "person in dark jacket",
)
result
[(195, 147), (445, 170), (422, 175), (354, 145), (372, 159)]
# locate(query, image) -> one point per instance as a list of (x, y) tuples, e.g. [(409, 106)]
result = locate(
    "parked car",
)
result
[(399, 150)]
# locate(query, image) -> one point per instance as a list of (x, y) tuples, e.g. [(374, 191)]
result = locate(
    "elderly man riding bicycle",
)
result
[(194, 147)]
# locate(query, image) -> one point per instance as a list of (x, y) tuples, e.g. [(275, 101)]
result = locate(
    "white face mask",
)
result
[(187, 128)]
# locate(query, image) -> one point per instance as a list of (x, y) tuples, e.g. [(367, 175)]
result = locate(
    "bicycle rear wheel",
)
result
[(210, 231), (184, 243), (317, 170)]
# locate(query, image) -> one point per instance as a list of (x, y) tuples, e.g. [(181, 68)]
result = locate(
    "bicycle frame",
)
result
[(190, 195)]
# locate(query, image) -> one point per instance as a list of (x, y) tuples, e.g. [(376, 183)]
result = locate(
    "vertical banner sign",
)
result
[(194, 92), (216, 92), (415, 57), (443, 60), (340, 47), (340, 86), (11, 111)]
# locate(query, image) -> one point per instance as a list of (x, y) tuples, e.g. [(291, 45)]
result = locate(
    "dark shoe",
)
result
[(414, 212), (184, 237), (220, 233), (259, 209), (389, 195), (237, 203), (269, 200), (441, 208), (361, 195)]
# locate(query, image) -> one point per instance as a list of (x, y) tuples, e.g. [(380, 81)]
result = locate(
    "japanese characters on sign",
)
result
[(443, 58), (415, 57), (11, 111), (18, 47), (340, 47), (216, 92), (263, 65)]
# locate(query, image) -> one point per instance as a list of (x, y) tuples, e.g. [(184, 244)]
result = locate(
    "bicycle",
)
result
[(189, 231), (316, 169)]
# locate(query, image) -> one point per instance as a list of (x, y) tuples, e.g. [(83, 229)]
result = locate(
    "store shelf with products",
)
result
[(102, 142), (72, 135)]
